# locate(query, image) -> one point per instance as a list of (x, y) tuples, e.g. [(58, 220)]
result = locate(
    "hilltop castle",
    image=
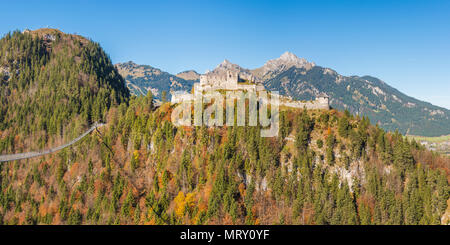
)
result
[(228, 81), (231, 80)]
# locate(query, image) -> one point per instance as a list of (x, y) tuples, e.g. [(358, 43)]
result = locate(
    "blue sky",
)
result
[(404, 43)]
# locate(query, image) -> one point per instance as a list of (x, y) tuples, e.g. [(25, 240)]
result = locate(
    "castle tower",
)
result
[(203, 79), (231, 80), (324, 101)]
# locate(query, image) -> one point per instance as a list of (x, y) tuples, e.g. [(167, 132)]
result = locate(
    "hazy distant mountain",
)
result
[(190, 75), (303, 80), (143, 78)]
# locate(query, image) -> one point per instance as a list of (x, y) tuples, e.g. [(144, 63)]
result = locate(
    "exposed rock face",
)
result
[(445, 220), (283, 63), (4, 77), (189, 75), (4, 71)]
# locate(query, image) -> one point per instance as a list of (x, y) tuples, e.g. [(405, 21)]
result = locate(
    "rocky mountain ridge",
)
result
[(189, 75), (140, 79)]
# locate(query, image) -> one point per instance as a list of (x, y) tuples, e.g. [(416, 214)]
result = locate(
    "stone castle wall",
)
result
[(320, 103), (317, 104)]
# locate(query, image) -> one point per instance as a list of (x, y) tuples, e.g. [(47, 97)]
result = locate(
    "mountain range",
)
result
[(302, 80), (143, 78)]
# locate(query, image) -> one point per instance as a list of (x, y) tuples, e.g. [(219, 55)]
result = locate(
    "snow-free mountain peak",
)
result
[(275, 66), (286, 61)]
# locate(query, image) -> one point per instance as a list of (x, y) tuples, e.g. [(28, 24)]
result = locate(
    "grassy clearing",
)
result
[(430, 139)]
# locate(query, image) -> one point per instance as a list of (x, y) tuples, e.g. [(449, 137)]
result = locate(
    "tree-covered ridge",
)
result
[(53, 84), (326, 167)]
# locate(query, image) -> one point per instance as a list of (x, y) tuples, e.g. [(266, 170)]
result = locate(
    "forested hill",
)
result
[(53, 86), (325, 167)]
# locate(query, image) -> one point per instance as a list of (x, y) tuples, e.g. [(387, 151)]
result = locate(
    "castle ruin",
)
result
[(229, 81)]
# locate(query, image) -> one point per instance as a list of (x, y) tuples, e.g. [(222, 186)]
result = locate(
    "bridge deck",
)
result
[(27, 155)]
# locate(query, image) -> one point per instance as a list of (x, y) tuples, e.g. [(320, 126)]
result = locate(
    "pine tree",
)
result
[(343, 127), (331, 141)]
